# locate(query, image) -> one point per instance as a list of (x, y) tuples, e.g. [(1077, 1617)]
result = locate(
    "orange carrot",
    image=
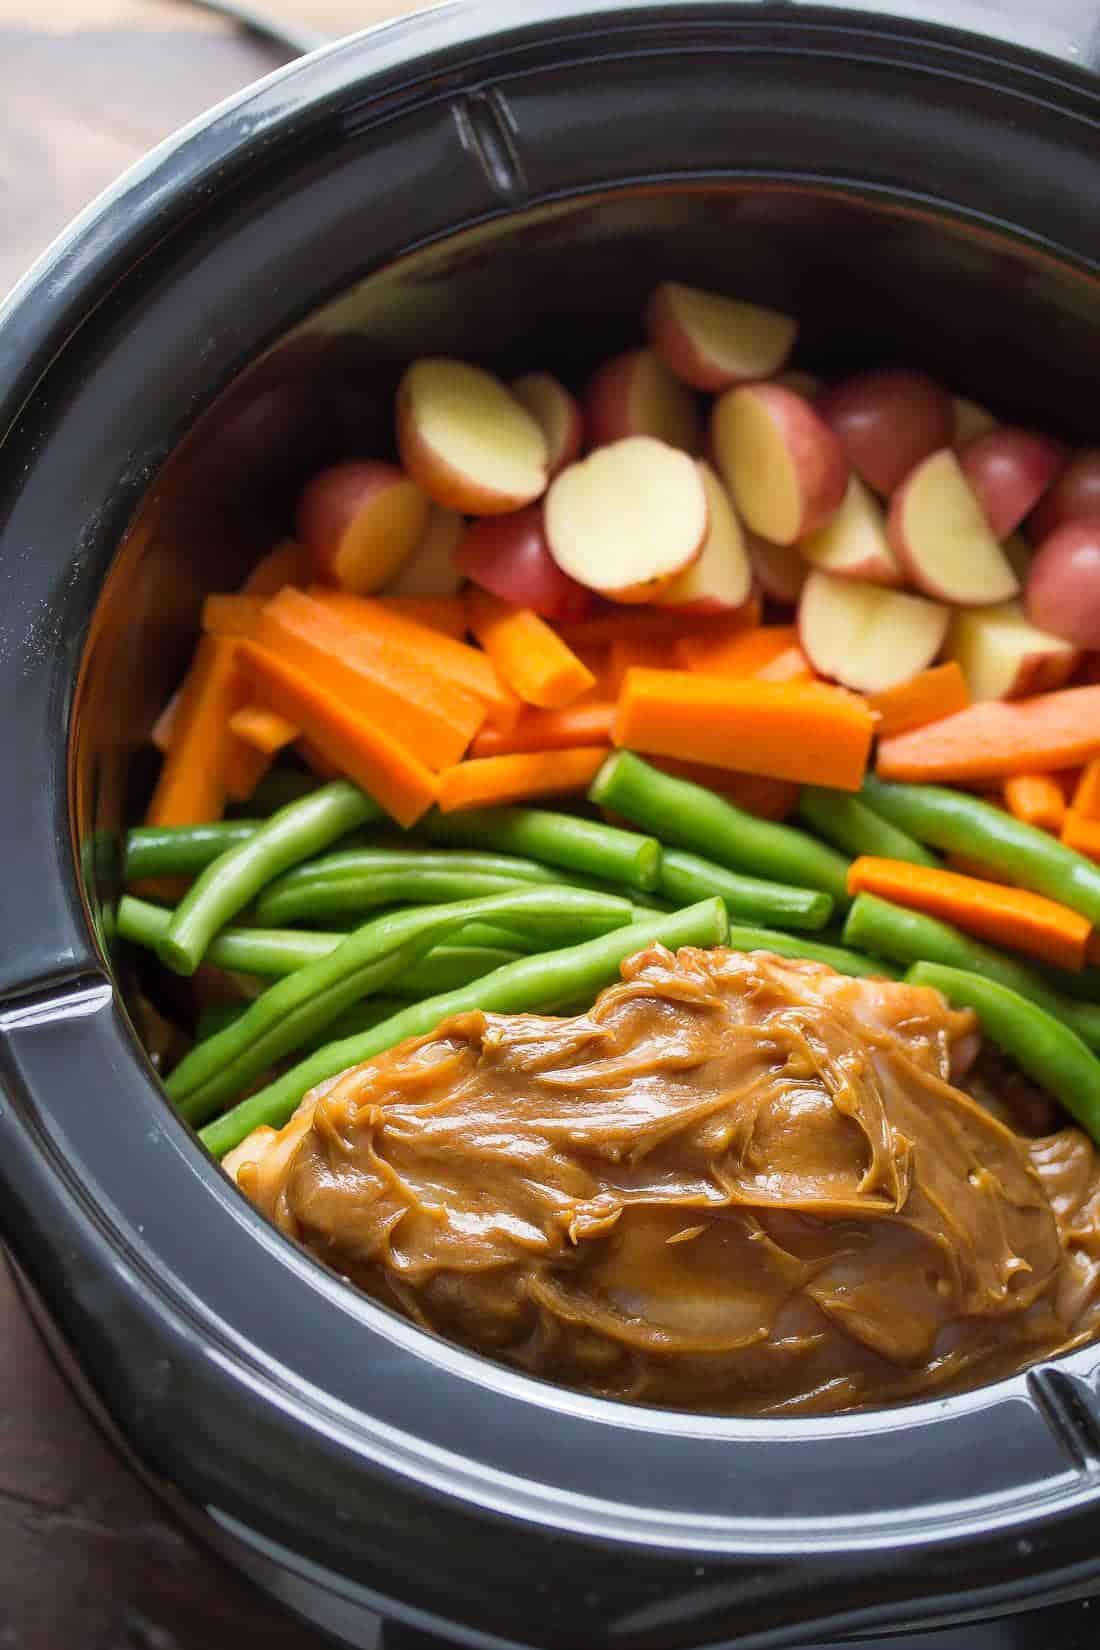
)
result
[(754, 792), (586, 723), (262, 729), (436, 719), (322, 767), (191, 787), (164, 728), (653, 653), (444, 613), (997, 738), (805, 731), (791, 665), (288, 563), (935, 693), (530, 657), (1037, 799), (735, 652), (452, 661), (232, 615), (1082, 833), (245, 765), (346, 737), (1005, 916), (499, 779), (643, 623), (1086, 793)]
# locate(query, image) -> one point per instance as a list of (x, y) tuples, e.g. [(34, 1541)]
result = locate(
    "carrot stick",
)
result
[(322, 767), (499, 779), (1081, 833), (997, 738), (1005, 916), (377, 678), (191, 787), (630, 652), (232, 615), (586, 723), (288, 563), (262, 729), (245, 765), (643, 623), (756, 793), (737, 652), (531, 657), (805, 731), (1086, 793), (446, 614), (452, 661), (164, 728), (935, 693), (346, 737), (791, 665), (1037, 799)]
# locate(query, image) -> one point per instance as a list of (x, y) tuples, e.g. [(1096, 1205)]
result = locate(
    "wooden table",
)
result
[(88, 1561)]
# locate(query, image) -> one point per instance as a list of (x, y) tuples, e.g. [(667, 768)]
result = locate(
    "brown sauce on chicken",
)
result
[(737, 1184)]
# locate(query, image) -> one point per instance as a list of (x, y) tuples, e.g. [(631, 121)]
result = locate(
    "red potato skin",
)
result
[(1010, 469), (330, 501), (565, 441), (778, 568), (815, 452), (1075, 496), (509, 556), (887, 421), (1063, 586), (440, 481), (606, 403), (669, 339)]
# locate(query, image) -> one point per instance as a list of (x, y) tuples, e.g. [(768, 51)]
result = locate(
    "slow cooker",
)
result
[(504, 180)]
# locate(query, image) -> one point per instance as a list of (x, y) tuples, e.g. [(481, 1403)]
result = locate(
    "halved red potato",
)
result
[(509, 555), (854, 545), (1075, 496), (720, 579), (430, 569), (866, 637), (1019, 554), (887, 420), (782, 463), (940, 535), (1063, 584), (712, 341), (626, 520), (1010, 469), (360, 521), (466, 441), (636, 394), (971, 421), (779, 569), (557, 413), (1004, 656)]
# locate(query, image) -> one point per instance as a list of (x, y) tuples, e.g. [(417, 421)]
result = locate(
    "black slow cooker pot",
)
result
[(503, 180)]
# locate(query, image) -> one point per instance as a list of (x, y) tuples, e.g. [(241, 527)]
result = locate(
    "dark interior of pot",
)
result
[(558, 290)]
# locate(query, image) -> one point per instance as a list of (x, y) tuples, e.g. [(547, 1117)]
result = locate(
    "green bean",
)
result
[(797, 946), (851, 826), (966, 825), (685, 877), (269, 952), (216, 1016), (371, 958), (689, 816), (296, 832), (909, 937), (582, 845), (533, 985), (1048, 1052), (359, 879), (182, 850)]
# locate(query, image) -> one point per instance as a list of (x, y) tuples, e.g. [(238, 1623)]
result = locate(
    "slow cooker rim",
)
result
[(42, 276)]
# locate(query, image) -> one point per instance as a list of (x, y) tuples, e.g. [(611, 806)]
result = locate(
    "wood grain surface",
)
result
[(88, 1560)]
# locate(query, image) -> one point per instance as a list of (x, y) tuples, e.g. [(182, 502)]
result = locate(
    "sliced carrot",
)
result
[(245, 766), (631, 652), (935, 693), (997, 738), (805, 731), (454, 661), (262, 729), (345, 737), (528, 654), (322, 767), (1086, 793), (643, 623), (1081, 833), (1005, 916), (191, 787), (735, 652), (288, 563), (586, 723), (164, 728), (1037, 799), (791, 665), (754, 792), (232, 615), (375, 677), (446, 614), (501, 779)]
